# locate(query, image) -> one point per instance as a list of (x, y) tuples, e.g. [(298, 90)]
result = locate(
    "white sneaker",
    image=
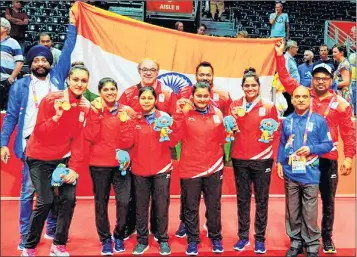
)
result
[(28, 252), (58, 250)]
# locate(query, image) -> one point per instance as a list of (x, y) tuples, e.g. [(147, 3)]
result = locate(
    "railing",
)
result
[(334, 35)]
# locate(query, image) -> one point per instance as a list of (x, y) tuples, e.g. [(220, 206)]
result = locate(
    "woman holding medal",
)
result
[(199, 125), (252, 158), (108, 128), (151, 169), (56, 139)]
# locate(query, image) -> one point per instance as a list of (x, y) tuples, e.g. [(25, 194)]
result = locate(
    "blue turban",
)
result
[(39, 50)]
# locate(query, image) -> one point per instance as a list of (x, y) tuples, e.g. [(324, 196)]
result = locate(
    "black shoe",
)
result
[(128, 234), (328, 246), (293, 252), (312, 254)]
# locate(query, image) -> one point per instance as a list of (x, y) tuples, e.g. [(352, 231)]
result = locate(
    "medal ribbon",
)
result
[(306, 128), (244, 105)]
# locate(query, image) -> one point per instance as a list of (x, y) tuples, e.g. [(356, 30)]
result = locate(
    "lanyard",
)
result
[(253, 104), (35, 97), (115, 110), (306, 128)]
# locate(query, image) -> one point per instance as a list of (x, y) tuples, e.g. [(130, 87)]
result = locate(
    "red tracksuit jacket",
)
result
[(106, 133), (338, 118), (203, 136), (246, 145), (219, 98), (149, 156), (166, 99), (52, 140)]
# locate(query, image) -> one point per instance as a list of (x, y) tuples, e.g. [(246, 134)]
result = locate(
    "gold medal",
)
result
[(123, 116), (187, 107), (66, 106), (98, 105), (240, 112)]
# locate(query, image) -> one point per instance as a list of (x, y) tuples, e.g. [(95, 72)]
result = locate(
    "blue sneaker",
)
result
[(140, 249), (165, 248), (107, 247), (241, 244), (217, 246), (119, 245), (181, 231), (260, 247), (192, 248)]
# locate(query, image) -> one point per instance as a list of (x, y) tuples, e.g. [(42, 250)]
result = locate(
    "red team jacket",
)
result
[(106, 133), (246, 145), (203, 136), (219, 98), (166, 100), (149, 157), (52, 140), (338, 118)]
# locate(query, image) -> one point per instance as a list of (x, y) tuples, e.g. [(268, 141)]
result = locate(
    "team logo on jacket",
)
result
[(175, 81)]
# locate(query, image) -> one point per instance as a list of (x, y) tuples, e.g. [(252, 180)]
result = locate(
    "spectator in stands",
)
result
[(19, 20), (24, 99), (325, 59), (179, 26), (11, 64), (342, 76), (46, 40), (217, 5), (337, 113), (291, 51), (242, 34), (301, 143), (279, 22), (202, 29), (305, 69)]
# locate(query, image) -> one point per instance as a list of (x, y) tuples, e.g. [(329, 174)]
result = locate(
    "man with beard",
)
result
[(166, 101), (338, 114), (325, 59), (305, 69), (219, 98), (24, 99)]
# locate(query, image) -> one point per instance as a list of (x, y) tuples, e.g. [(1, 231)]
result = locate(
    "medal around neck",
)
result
[(98, 105), (187, 107)]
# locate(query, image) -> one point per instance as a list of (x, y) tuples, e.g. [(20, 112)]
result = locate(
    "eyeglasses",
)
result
[(324, 79), (145, 70)]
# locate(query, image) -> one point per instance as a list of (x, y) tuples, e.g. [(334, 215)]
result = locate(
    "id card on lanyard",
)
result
[(35, 97), (298, 163)]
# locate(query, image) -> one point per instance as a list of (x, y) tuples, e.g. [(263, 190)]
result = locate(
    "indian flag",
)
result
[(112, 45)]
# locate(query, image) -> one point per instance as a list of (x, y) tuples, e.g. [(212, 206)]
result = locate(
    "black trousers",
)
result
[(4, 94), (258, 173), (158, 189), (212, 191), (103, 178), (41, 173), (328, 187)]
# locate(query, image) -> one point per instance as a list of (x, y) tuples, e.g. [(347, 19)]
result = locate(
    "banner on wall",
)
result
[(169, 6), (347, 27)]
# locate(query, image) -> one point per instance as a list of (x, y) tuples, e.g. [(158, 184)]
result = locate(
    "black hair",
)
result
[(45, 34), (77, 66), (341, 48), (144, 89), (203, 25), (201, 85), (104, 81), (250, 72), (204, 64)]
